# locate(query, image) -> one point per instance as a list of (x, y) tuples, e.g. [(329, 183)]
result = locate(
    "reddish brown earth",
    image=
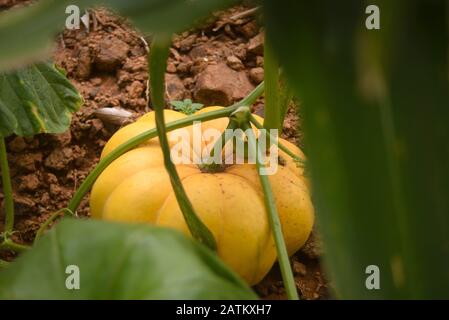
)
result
[(215, 65)]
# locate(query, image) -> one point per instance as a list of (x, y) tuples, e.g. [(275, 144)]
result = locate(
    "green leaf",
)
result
[(27, 33), (178, 105), (197, 106), (375, 115), (119, 261), (186, 106), (35, 100)]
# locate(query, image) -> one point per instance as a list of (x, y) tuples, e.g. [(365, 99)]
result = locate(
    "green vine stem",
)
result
[(258, 125), (7, 189), (152, 133), (220, 143), (273, 217), (157, 64), (7, 244), (52, 218)]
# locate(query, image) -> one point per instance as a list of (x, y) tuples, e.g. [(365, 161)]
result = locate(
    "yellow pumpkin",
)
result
[(136, 188)]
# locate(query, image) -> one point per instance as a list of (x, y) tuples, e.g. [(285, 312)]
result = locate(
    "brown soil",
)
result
[(108, 66)]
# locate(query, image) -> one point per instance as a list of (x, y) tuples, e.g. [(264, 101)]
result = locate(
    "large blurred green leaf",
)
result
[(27, 33), (376, 121), (120, 261), (36, 99)]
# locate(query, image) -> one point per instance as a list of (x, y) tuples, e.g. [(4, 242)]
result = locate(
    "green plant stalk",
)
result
[(258, 125), (152, 133), (222, 140), (272, 107), (7, 244), (7, 188), (52, 218), (285, 96), (273, 217), (157, 64)]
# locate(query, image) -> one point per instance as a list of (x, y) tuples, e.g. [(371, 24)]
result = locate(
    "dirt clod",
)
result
[(29, 182), (220, 85), (256, 75), (111, 52), (18, 144), (59, 158), (256, 44)]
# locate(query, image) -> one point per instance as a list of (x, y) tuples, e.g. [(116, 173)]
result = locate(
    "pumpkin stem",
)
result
[(214, 163)]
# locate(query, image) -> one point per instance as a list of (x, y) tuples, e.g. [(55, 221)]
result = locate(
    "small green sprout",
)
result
[(186, 106)]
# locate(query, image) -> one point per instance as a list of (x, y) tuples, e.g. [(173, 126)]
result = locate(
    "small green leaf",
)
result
[(177, 104), (37, 99), (186, 106), (119, 261), (197, 106)]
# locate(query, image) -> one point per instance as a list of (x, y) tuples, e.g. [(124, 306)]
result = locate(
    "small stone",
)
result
[(17, 144), (171, 67), (186, 44), (256, 44), (23, 204), (299, 268), (175, 54), (256, 75), (249, 29), (234, 63)]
